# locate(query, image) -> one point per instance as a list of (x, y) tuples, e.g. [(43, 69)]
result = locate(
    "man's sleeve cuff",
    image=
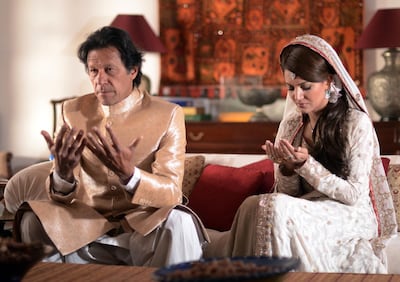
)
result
[(62, 186), (134, 181)]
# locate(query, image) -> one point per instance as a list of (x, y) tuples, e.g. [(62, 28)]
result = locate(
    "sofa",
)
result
[(218, 177), (215, 185)]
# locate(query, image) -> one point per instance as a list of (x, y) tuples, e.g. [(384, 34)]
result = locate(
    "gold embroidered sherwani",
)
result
[(99, 200)]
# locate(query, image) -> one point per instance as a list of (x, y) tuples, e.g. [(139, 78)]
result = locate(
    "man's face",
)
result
[(111, 81)]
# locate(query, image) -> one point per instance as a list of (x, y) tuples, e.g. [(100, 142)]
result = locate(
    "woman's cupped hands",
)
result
[(283, 152)]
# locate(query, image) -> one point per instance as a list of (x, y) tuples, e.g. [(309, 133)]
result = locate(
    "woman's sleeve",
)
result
[(360, 157), (286, 184)]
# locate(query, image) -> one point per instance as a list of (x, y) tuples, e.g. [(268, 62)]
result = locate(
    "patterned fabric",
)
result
[(324, 234), (394, 182), (208, 40), (193, 167)]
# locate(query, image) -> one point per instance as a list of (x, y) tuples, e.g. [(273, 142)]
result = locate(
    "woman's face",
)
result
[(111, 81), (309, 97)]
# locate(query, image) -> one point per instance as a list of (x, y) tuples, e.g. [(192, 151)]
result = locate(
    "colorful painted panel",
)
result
[(211, 39)]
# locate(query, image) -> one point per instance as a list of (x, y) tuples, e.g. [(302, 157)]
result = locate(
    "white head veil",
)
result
[(380, 190), (326, 51)]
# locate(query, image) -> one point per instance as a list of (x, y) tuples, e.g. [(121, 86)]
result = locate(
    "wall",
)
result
[(38, 62)]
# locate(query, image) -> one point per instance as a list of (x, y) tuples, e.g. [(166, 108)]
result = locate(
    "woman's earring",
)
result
[(333, 93), (327, 93)]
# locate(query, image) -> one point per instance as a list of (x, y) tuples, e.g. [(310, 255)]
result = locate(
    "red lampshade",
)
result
[(140, 31), (383, 31)]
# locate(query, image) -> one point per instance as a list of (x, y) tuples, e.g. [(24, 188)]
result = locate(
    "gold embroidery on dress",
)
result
[(264, 225)]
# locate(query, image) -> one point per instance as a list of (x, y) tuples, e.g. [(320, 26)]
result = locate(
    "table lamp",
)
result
[(383, 86), (142, 36)]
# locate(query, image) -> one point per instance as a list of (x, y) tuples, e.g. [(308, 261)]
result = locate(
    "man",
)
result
[(115, 186)]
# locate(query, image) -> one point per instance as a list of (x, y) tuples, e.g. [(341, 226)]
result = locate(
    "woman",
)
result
[(333, 207)]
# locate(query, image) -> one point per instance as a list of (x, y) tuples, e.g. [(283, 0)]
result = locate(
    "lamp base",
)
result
[(384, 87), (259, 116)]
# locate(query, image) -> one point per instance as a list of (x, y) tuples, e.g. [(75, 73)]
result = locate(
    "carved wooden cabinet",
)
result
[(389, 137), (229, 137), (247, 138)]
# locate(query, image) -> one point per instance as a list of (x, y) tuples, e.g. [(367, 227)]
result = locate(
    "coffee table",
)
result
[(95, 272)]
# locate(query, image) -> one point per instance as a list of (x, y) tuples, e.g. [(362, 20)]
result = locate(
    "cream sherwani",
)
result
[(100, 203)]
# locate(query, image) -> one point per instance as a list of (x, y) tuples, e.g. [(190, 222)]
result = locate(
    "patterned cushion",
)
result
[(193, 168), (394, 183)]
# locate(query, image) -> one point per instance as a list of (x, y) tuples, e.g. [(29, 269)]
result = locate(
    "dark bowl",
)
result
[(17, 258), (228, 269), (258, 96)]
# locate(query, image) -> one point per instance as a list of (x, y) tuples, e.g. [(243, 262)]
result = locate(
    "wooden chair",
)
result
[(5, 174), (56, 104), (5, 164)]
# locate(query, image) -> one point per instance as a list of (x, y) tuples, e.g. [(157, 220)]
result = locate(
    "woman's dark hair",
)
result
[(113, 37), (329, 135)]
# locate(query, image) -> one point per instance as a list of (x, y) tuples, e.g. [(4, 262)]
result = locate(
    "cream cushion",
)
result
[(27, 184)]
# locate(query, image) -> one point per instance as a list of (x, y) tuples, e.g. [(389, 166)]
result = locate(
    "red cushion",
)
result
[(266, 167), (219, 192)]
